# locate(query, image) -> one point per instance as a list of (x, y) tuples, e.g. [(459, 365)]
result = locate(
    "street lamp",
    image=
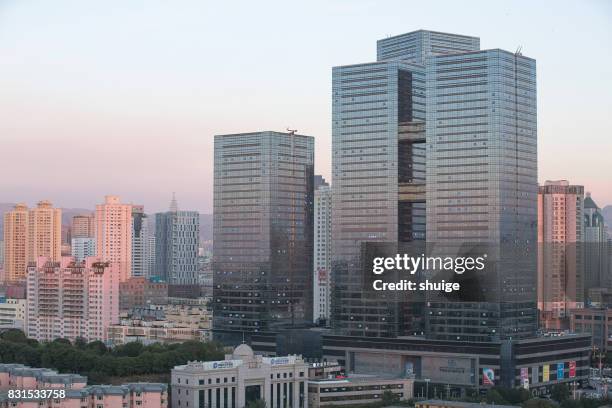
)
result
[(427, 380)]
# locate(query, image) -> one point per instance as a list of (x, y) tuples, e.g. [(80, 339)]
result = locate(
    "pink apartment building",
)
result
[(560, 232), (114, 234), (70, 299), (76, 393)]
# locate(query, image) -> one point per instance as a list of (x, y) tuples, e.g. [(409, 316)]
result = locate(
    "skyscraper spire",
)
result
[(173, 203)]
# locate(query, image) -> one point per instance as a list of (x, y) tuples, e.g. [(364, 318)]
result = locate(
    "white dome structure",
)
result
[(243, 352)]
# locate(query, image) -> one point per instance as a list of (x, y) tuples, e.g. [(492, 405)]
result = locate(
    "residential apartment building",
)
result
[(263, 232), (114, 234), (560, 263), (83, 247), (15, 243), (83, 226), (12, 313), (28, 234), (70, 299), (72, 391), (140, 242)]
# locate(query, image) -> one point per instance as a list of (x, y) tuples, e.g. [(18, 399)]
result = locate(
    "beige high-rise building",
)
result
[(560, 233), (44, 232), (29, 234), (83, 226), (114, 234), (15, 237)]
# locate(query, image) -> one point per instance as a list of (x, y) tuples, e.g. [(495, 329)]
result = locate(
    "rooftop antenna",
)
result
[(291, 131), (519, 50)]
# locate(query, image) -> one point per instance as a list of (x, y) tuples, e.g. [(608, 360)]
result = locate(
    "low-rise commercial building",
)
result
[(456, 366), (168, 323), (141, 291), (239, 379), (594, 321), (356, 390), (12, 313)]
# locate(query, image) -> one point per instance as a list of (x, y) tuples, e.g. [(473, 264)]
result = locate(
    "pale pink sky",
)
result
[(124, 98)]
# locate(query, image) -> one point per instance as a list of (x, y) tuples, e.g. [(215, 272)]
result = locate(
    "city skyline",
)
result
[(150, 93)]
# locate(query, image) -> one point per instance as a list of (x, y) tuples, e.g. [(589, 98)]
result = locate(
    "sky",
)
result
[(124, 97)]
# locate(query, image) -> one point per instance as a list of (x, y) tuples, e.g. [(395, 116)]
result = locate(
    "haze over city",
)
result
[(117, 98)]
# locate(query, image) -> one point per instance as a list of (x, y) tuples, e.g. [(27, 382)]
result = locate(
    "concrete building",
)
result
[(72, 391), (167, 323), (114, 234), (15, 243), (356, 390), (560, 263), (594, 321), (241, 378), (322, 253), (177, 237), (70, 299), (28, 234), (83, 247), (44, 232), (83, 226), (140, 242), (13, 313), (141, 291), (456, 366)]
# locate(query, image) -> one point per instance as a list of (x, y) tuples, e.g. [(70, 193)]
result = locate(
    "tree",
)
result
[(14, 336), (560, 392), (389, 398), (538, 403), (258, 403)]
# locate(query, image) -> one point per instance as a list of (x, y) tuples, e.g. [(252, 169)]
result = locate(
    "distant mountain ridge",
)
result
[(206, 220)]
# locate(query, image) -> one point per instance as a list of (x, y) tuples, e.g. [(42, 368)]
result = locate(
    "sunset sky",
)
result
[(124, 97)]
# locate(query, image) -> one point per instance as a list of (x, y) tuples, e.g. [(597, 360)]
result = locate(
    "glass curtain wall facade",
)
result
[(263, 231), (482, 185)]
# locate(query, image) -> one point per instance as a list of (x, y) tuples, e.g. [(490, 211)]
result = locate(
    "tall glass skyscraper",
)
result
[(482, 186), (263, 232), (436, 141)]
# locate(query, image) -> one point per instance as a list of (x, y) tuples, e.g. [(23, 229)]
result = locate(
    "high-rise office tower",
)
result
[(114, 234), (140, 242), (44, 232), (68, 299), (263, 231), (83, 226), (177, 238), (442, 132), (416, 46), (15, 246), (596, 248), (481, 176), (378, 132), (322, 251), (560, 234)]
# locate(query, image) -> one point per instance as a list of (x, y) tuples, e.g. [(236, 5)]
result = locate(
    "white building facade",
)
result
[(322, 253), (241, 378)]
